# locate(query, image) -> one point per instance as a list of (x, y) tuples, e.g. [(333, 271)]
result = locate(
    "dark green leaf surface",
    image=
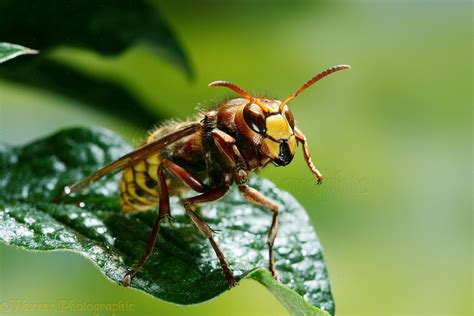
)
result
[(9, 51), (183, 268)]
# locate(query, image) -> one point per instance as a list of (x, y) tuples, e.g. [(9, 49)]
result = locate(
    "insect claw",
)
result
[(170, 218), (232, 283), (127, 279), (275, 276), (241, 176), (320, 180)]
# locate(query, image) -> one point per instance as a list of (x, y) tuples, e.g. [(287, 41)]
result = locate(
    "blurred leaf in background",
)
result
[(9, 51), (97, 26)]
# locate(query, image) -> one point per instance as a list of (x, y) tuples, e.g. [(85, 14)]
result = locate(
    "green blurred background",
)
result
[(392, 136)]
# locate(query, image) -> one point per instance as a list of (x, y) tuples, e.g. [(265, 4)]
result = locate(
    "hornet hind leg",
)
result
[(164, 208)]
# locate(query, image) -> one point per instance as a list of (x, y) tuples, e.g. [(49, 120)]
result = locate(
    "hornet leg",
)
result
[(307, 156), (164, 208), (211, 195), (257, 198)]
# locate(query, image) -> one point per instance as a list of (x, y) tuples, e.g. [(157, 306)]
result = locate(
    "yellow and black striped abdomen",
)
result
[(139, 189)]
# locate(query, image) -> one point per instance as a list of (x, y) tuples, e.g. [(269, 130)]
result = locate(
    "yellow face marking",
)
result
[(273, 106), (270, 148), (278, 127)]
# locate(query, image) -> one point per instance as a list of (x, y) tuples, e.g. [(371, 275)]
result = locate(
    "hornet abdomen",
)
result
[(139, 186)]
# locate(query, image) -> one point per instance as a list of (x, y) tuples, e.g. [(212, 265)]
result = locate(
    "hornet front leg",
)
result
[(230, 153), (307, 156)]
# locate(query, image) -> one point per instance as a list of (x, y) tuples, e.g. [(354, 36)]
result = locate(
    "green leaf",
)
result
[(100, 94), (105, 27), (183, 268), (9, 51)]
